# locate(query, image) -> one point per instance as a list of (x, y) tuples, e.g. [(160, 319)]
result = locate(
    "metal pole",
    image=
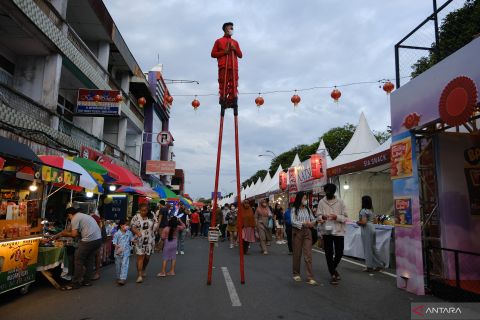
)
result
[(435, 22), (141, 155), (397, 67)]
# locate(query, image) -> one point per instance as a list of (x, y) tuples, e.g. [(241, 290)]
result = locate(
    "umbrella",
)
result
[(124, 176), (186, 202), (100, 173), (86, 180), (166, 193), (144, 191)]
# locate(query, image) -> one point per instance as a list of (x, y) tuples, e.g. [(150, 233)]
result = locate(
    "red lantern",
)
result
[(97, 98), (169, 99), (336, 94), (119, 98), (142, 101), (316, 165), (295, 100), (259, 101), (388, 87), (195, 104), (282, 183)]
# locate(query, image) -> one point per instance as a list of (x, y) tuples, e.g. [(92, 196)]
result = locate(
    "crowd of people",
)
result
[(165, 227)]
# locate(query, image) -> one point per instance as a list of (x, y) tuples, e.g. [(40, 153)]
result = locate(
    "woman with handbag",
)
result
[(304, 229), (262, 215)]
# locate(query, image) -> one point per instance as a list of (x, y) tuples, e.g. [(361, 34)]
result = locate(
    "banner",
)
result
[(98, 103), (472, 175), (166, 168), (402, 211), (401, 159), (292, 180), (50, 174), (18, 263), (310, 174)]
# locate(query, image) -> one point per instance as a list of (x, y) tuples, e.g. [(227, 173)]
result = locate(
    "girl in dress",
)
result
[(170, 239)]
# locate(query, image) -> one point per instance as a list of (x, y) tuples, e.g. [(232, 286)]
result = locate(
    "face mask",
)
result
[(304, 202), (230, 32)]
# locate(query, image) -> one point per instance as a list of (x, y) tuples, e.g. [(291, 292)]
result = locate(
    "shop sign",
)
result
[(402, 211), (18, 263), (98, 103), (310, 173), (55, 175), (401, 159), (292, 180), (472, 175), (115, 208), (94, 155), (375, 160), (160, 167)]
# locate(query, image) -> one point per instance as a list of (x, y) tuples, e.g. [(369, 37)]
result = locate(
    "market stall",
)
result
[(436, 178)]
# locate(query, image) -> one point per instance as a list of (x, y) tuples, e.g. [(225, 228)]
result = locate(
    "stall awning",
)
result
[(125, 176), (13, 149), (144, 191)]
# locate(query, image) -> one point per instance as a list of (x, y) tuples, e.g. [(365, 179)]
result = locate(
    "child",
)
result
[(122, 240), (169, 237)]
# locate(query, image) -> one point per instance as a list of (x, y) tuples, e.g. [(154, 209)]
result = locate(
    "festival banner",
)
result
[(18, 263), (292, 180), (401, 159), (98, 103)]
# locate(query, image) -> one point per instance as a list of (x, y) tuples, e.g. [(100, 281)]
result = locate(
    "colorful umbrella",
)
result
[(144, 191), (186, 202), (100, 173), (166, 193), (86, 180), (124, 176)]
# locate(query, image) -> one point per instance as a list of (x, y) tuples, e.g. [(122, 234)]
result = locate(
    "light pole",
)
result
[(274, 154)]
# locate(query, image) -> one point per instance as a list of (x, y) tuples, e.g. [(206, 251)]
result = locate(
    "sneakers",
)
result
[(333, 280), (297, 278), (312, 282), (139, 279), (182, 253), (337, 275), (231, 246)]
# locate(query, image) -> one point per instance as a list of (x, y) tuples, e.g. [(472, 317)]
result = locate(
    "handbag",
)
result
[(314, 235)]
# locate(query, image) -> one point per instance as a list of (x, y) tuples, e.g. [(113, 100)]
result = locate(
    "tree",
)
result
[(259, 174), (336, 139), (383, 136), (457, 29)]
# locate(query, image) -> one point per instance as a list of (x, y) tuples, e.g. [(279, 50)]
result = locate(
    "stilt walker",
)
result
[(226, 50)]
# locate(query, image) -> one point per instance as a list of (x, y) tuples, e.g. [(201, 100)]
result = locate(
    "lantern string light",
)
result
[(381, 81)]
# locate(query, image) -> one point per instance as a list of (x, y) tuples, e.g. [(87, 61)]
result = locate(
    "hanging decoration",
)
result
[(97, 98), (259, 101), (169, 99), (388, 87), (295, 99), (195, 103), (141, 102), (336, 94)]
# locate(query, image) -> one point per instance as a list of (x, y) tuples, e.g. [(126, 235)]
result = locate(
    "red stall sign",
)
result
[(316, 165), (282, 183)]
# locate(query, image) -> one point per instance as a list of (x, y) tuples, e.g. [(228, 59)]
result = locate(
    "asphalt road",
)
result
[(269, 292)]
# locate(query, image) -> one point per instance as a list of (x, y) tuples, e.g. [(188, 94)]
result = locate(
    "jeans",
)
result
[(333, 243), (85, 257), (205, 227), (181, 240)]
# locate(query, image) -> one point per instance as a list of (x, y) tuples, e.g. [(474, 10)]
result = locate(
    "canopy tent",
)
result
[(17, 150), (274, 185), (362, 142)]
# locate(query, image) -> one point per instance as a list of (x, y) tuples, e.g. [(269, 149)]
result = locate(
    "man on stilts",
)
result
[(227, 51)]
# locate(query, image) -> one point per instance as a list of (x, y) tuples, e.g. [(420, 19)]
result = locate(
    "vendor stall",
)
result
[(436, 178)]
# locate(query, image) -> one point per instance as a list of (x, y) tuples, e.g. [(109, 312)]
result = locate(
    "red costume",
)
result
[(225, 50)]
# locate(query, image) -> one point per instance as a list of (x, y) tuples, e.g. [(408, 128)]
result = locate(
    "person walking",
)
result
[(231, 219), (122, 241), (262, 215), (182, 215), (303, 222), (288, 228), (162, 217), (206, 224), (248, 227), (279, 222), (365, 221), (194, 223), (143, 225), (332, 215), (87, 228), (223, 221), (170, 237)]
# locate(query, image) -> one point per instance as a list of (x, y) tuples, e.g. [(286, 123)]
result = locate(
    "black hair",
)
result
[(149, 212), (162, 202), (172, 224), (71, 210), (121, 223), (204, 208), (330, 190), (226, 24), (298, 201), (367, 202)]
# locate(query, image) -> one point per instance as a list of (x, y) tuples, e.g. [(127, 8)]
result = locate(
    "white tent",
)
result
[(265, 184), (362, 142), (296, 161), (274, 186), (322, 149)]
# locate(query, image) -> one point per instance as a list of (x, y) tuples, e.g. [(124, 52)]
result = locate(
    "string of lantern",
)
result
[(335, 94)]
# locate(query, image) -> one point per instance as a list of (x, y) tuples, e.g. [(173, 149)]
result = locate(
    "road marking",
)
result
[(231, 288), (359, 264)]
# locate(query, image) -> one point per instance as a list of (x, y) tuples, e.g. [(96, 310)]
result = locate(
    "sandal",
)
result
[(69, 287), (161, 275), (171, 274), (312, 282), (297, 278)]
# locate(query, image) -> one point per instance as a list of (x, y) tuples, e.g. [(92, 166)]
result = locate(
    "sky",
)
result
[(286, 45)]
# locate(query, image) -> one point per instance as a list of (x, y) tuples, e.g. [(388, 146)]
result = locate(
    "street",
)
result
[(269, 292)]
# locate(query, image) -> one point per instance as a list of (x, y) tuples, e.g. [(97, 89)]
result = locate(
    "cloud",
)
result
[(286, 45)]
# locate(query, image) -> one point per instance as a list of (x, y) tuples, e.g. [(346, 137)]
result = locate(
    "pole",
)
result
[(237, 158), (217, 175), (141, 154)]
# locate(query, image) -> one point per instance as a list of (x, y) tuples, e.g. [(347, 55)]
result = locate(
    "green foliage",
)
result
[(457, 29), (336, 139), (383, 136), (254, 178)]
